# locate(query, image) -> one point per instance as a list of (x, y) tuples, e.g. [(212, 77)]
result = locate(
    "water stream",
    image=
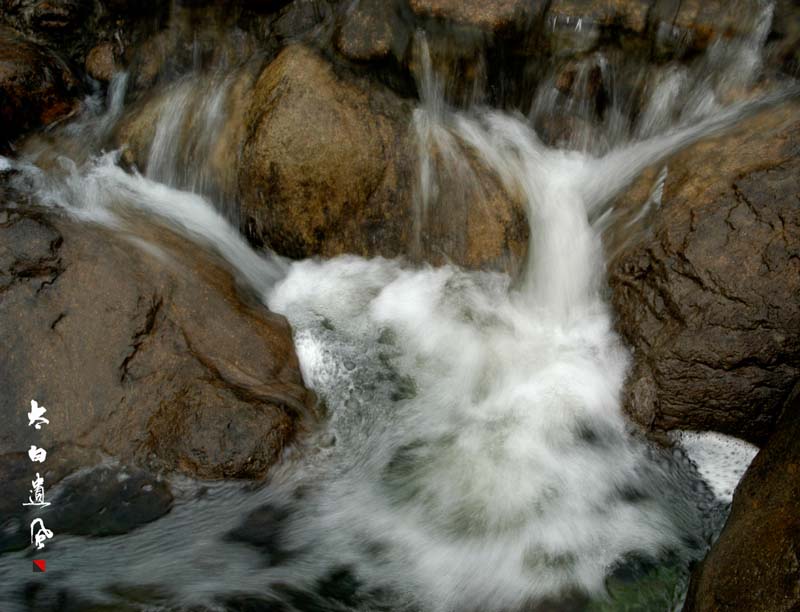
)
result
[(475, 457)]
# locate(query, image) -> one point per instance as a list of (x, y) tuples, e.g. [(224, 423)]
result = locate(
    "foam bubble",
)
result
[(721, 460)]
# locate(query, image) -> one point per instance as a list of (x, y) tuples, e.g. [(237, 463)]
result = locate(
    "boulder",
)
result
[(104, 500), (149, 355), (101, 63), (200, 126), (372, 30), (708, 299), (315, 172), (625, 14), (783, 45), (489, 15), (575, 27), (37, 88), (755, 563), (330, 166)]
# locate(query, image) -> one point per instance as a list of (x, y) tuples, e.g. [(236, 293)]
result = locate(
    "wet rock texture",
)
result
[(490, 15), (329, 166), (755, 563), (37, 87), (709, 301), (105, 500), (150, 358), (319, 167), (372, 30)]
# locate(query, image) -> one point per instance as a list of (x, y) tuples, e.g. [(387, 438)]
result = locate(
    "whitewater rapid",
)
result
[(475, 455)]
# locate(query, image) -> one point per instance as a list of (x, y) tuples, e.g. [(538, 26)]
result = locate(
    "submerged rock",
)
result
[(101, 501), (37, 87), (754, 565), (146, 354), (708, 301)]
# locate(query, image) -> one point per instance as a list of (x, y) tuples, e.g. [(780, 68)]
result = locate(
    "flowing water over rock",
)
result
[(475, 455)]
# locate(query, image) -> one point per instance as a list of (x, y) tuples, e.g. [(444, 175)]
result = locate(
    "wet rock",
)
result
[(37, 88), (197, 130), (319, 152), (685, 27), (101, 63), (198, 39), (150, 57), (16, 474), (491, 15), (625, 14), (299, 18), (708, 301), (150, 356), (470, 219), (372, 30), (574, 27), (74, 27), (47, 16), (330, 166), (58, 15), (754, 564), (101, 501), (118, 500), (783, 46), (669, 28)]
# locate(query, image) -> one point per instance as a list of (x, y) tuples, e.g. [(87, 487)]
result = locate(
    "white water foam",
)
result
[(721, 460)]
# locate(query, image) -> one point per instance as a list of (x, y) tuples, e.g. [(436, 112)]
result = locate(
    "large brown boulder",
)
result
[(662, 29), (319, 172), (330, 166), (37, 88), (148, 355), (755, 563), (709, 300)]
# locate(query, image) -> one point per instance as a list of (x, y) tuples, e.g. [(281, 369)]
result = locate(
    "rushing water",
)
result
[(475, 456)]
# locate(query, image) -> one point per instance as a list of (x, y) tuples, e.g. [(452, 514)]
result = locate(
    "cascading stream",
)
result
[(475, 456)]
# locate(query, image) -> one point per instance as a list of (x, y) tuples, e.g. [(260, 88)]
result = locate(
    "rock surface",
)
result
[(37, 88), (102, 501), (101, 63), (490, 15), (709, 301), (755, 563), (330, 166), (372, 30), (317, 168), (151, 359)]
